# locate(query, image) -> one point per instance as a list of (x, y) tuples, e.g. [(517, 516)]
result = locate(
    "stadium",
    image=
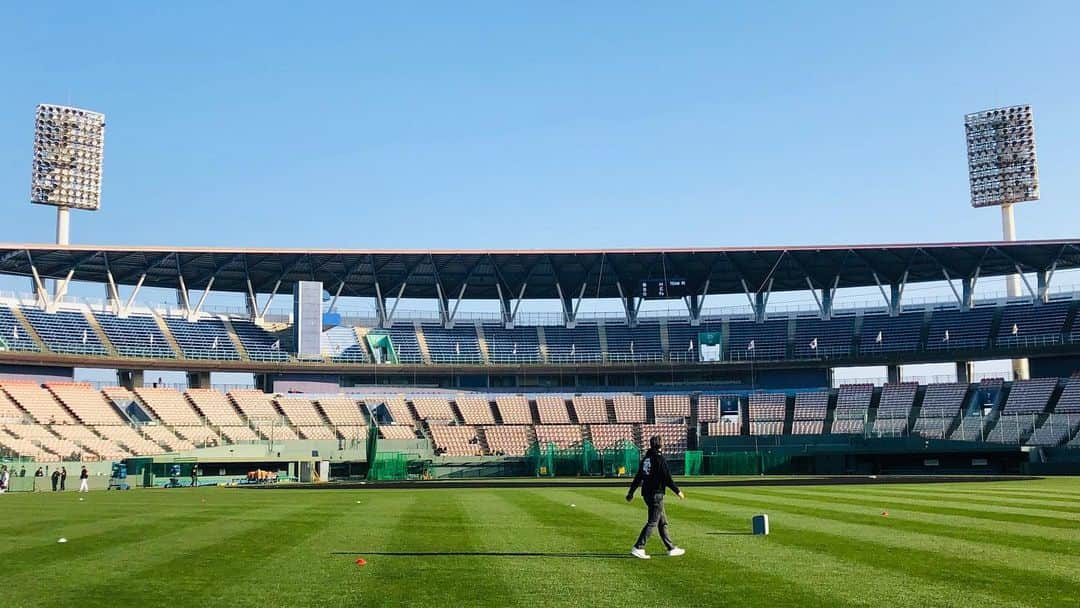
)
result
[(426, 426)]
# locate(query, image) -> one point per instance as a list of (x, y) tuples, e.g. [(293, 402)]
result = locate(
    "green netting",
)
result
[(389, 466), (621, 460), (692, 464), (549, 460), (732, 463)]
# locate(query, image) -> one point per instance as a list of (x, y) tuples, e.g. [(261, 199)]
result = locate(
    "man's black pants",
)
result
[(657, 519)]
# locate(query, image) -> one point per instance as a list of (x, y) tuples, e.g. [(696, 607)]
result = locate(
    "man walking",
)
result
[(654, 478), (84, 480)]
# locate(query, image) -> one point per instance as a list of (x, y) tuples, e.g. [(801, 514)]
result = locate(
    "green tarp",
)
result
[(692, 464)]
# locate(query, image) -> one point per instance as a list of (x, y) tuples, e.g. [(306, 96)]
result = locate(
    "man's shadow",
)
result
[(486, 554)]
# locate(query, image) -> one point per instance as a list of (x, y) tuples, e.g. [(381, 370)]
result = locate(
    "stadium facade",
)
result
[(463, 388)]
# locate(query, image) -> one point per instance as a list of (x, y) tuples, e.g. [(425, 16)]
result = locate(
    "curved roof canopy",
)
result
[(535, 274)]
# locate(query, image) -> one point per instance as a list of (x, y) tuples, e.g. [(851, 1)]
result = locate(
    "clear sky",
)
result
[(542, 124), (539, 124)]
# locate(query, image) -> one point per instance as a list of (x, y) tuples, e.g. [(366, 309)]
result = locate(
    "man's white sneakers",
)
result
[(639, 553), (676, 552)]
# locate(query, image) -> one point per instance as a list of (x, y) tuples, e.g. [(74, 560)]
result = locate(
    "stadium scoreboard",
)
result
[(69, 145), (1001, 156), (663, 289)]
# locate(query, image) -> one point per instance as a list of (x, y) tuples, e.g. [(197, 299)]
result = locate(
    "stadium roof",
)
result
[(533, 274)]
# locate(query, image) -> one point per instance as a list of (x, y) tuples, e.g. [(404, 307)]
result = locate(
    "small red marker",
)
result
[(361, 562)]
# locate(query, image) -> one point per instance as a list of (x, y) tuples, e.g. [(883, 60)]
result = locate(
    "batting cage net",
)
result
[(389, 466), (550, 460)]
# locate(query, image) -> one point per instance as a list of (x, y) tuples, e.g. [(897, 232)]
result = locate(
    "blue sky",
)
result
[(539, 125), (507, 125)]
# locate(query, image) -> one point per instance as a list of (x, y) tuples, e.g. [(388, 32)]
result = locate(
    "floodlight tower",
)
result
[(69, 144), (1002, 170)]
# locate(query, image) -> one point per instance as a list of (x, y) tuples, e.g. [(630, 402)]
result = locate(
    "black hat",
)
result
[(654, 442)]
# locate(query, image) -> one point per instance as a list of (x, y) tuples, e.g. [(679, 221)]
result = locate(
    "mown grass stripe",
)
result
[(819, 567), (885, 531), (930, 506), (1028, 505)]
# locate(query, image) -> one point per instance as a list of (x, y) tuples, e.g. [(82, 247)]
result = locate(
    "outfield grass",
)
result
[(980, 544)]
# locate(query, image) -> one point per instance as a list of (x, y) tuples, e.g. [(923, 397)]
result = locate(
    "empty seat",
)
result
[(454, 440), (38, 402), (589, 409), (562, 435), (301, 412), (673, 437), (89, 405), (629, 408), (475, 409), (136, 335), (671, 406), (606, 436), (433, 407), (215, 407), (514, 409), (65, 331), (342, 411), (169, 406), (255, 405), (508, 440), (552, 409), (397, 431)]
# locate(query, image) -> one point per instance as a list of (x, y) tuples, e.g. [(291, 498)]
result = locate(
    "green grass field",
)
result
[(977, 544)]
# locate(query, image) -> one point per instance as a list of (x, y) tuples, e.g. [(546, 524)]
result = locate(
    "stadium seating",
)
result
[(578, 345), (130, 439), (137, 335), (406, 346), (341, 345), (831, 338), (89, 406), (14, 336), (562, 435), (767, 411), (433, 407), (14, 441), (65, 331), (342, 411), (1064, 421), (672, 436), (454, 440), (589, 409), (215, 407), (38, 402), (256, 406), (940, 407), (260, 344), (1023, 325), (552, 409), (508, 440), (165, 437), (397, 431), (683, 341), (1029, 396), (729, 427), (748, 340), (952, 329), (894, 408), (885, 334), (40, 438), (641, 343), (458, 344), (810, 412), (301, 412), (513, 409), (518, 345), (395, 405), (671, 406), (628, 408), (852, 403), (86, 438), (475, 409), (605, 436), (205, 339)]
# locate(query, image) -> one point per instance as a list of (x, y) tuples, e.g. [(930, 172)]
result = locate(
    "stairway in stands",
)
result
[(92, 321), (163, 327), (421, 341), (235, 338)]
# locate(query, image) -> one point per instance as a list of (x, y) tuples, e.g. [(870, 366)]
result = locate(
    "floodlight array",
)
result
[(69, 145), (1001, 156)]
